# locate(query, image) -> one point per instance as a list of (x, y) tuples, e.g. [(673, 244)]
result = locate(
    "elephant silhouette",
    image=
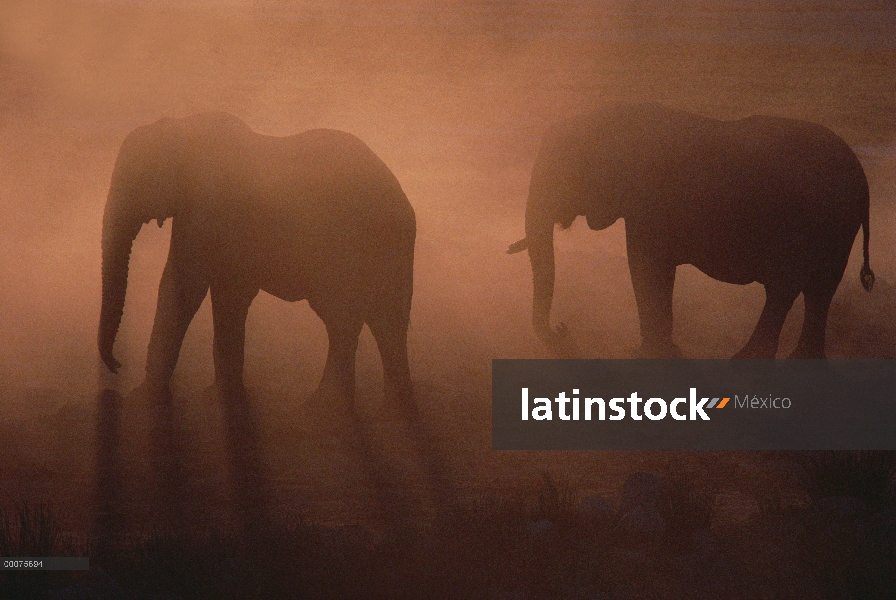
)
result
[(766, 199), (314, 216)]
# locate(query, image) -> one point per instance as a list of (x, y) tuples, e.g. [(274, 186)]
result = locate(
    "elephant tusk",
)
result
[(518, 246)]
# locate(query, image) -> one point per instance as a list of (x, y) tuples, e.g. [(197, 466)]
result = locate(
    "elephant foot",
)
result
[(395, 411), (665, 350), (229, 390), (801, 352), (155, 390), (750, 352), (328, 412), (557, 341), (398, 404)]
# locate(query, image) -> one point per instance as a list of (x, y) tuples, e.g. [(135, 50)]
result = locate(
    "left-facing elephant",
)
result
[(314, 216)]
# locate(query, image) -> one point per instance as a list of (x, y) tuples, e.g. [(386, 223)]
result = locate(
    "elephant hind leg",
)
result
[(337, 385), (819, 293), (811, 344), (331, 407), (763, 343), (390, 329)]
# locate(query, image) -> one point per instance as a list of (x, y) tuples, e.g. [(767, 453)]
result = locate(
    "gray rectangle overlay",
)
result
[(772, 404), (54, 563)]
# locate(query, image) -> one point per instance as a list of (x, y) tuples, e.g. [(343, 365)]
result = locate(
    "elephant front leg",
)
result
[(230, 307), (181, 293), (653, 280), (764, 341)]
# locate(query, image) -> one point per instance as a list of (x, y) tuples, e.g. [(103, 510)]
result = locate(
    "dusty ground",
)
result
[(455, 103)]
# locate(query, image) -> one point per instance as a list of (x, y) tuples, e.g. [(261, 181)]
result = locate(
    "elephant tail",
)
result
[(867, 275)]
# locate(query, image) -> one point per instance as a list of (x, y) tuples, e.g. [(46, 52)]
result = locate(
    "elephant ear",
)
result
[(615, 172), (560, 177), (604, 193), (166, 176), (149, 168)]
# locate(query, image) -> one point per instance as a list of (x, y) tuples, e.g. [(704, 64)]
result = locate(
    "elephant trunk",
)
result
[(119, 231)]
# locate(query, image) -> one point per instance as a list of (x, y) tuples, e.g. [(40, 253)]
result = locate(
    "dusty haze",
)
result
[(454, 98)]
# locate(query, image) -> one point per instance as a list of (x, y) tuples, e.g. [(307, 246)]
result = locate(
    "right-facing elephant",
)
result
[(766, 199)]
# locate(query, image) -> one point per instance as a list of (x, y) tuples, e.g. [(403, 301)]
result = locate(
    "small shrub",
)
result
[(866, 475), (849, 527), (33, 531), (688, 509), (557, 500)]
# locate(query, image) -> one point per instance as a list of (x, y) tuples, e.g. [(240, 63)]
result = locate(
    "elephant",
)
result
[(315, 216), (761, 199)]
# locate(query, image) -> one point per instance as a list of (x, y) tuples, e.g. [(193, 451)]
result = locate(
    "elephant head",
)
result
[(144, 187), (564, 185)]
